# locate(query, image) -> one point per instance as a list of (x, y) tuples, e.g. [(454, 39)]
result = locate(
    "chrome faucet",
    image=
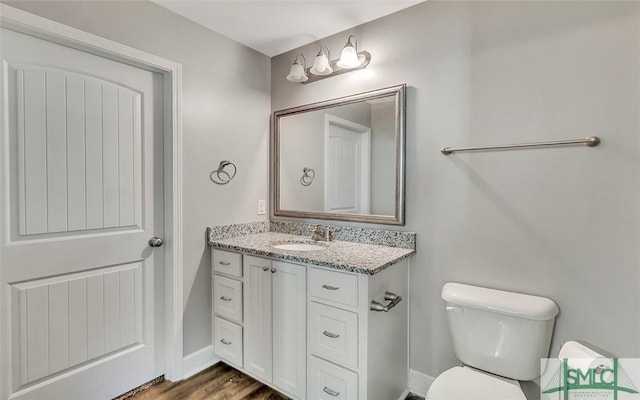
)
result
[(320, 234)]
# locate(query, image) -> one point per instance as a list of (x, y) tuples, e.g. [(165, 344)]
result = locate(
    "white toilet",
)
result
[(499, 336)]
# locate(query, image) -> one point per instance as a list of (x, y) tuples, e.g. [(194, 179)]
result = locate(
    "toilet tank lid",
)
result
[(492, 300)]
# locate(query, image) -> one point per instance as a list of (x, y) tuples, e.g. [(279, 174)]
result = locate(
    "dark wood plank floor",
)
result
[(219, 382)]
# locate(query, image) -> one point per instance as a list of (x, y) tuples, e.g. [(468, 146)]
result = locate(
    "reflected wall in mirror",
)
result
[(341, 159)]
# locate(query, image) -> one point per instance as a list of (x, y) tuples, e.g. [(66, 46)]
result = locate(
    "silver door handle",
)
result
[(155, 242), (224, 263), (328, 287), (225, 298), (331, 334), (225, 341)]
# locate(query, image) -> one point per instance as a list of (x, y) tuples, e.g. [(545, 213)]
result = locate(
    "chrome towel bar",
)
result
[(590, 141), (393, 298)]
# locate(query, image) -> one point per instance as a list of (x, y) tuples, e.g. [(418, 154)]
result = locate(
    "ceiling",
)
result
[(273, 27)]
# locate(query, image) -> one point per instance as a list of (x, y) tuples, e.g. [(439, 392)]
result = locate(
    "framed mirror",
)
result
[(341, 159)]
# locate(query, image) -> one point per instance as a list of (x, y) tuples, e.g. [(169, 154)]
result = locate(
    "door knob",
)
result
[(155, 242)]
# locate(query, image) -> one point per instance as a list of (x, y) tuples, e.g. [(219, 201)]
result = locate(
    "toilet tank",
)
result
[(500, 332)]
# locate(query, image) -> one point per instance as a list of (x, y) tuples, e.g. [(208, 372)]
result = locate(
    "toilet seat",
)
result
[(467, 383)]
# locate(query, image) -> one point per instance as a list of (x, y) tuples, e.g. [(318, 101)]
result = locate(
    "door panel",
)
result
[(347, 166), (68, 320), (63, 185), (257, 317), (84, 150), (290, 328)]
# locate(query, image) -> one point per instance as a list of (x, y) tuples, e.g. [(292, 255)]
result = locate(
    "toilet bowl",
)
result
[(500, 337)]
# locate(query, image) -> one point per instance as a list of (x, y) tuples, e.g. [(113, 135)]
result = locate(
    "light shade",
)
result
[(349, 56), (297, 73), (321, 65)]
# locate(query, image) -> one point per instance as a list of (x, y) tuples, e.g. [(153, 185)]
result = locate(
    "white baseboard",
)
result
[(198, 361), (404, 394), (419, 383)]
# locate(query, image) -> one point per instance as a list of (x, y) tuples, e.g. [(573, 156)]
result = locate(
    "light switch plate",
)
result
[(262, 207)]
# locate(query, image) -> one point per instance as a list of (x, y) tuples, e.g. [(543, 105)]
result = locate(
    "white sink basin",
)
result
[(299, 246)]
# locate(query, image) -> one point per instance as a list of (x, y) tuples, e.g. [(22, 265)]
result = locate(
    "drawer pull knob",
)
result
[(330, 392), (224, 263), (225, 298), (328, 287), (331, 334), (225, 341), (265, 269), (393, 299)]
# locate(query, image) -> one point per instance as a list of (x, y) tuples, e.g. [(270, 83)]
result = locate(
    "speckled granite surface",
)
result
[(406, 240), (229, 231), (381, 237), (348, 256)]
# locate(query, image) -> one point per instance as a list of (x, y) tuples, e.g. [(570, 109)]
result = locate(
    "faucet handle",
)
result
[(317, 233), (328, 234)]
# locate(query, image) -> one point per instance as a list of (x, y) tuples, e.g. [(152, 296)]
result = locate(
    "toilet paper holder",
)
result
[(582, 356), (393, 299)]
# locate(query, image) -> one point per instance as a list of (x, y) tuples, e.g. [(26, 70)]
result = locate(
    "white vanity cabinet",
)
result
[(273, 320), (309, 331), (355, 352)]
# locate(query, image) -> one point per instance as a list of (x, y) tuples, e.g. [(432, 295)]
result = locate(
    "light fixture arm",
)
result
[(355, 46), (324, 46)]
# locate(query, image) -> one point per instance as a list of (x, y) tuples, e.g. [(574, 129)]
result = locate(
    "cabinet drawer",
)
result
[(227, 262), (333, 334), (333, 286), (227, 341), (329, 382), (227, 297)]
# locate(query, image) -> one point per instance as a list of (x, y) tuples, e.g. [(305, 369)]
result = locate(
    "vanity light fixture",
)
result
[(349, 57), (321, 64), (323, 67), (297, 72)]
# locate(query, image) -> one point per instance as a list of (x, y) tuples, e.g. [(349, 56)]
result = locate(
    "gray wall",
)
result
[(226, 117), (557, 222), (383, 160)]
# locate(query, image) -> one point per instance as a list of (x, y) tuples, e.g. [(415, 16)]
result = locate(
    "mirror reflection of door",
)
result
[(347, 165)]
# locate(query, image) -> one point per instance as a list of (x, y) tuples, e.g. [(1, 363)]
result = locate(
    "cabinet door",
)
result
[(257, 317), (289, 328)]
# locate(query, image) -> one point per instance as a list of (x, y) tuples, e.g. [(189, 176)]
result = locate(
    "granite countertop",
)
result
[(348, 256)]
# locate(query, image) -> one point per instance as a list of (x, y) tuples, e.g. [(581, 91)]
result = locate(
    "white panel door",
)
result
[(347, 165), (81, 196), (290, 328), (257, 317)]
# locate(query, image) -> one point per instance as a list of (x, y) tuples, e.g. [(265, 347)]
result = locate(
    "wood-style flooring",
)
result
[(219, 382)]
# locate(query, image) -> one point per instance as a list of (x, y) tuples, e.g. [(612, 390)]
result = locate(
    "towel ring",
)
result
[(222, 177), (308, 174)]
